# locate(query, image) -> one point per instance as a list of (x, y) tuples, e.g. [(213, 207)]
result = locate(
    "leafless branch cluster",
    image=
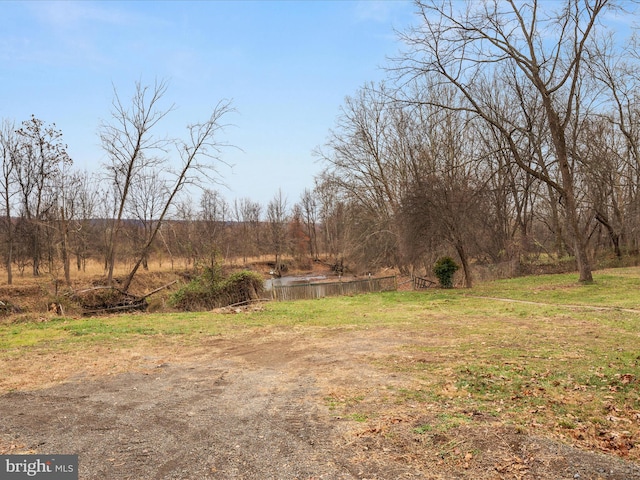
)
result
[(509, 130)]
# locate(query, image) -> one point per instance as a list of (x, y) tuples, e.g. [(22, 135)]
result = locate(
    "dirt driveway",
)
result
[(272, 405)]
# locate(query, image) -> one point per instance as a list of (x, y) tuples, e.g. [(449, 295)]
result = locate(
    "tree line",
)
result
[(140, 204), (504, 131), (53, 213)]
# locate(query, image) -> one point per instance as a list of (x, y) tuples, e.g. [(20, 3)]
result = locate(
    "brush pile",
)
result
[(99, 300)]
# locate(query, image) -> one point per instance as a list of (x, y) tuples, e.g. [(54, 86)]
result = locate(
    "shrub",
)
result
[(243, 286), (444, 269), (211, 290)]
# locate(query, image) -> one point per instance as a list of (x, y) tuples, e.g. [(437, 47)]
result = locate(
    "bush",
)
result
[(444, 269), (212, 290)]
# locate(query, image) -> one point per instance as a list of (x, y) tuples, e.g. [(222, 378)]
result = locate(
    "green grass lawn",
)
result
[(615, 288), (551, 365)]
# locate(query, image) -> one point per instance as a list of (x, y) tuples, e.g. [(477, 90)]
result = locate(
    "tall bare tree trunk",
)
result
[(579, 240), (466, 268)]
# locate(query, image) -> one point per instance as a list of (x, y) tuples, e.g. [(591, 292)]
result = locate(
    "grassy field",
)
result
[(563, 360)]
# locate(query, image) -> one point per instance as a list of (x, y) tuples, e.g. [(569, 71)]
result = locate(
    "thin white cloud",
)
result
[(73, 33), (64, 15), (379, 11)]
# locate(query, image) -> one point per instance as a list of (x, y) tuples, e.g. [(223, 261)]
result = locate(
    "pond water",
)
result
[(293, 280)]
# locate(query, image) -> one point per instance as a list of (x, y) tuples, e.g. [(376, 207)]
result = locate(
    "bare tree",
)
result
[(310, 211), (620, 74), (41, 157), (277, 218), (334, 213), (182, 237), (86, 227), (214, 214), (446, 199), (358, 155), (131, 147), (66, 199), (147, 199), (511, 191), (604, 181), (199, 156), (298, 238), (467, 47), (367, 160), (247, 215), (8, 152)]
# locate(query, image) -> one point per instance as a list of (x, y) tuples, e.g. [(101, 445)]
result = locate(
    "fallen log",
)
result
[(159, 289), (118, 308), (103, 299)]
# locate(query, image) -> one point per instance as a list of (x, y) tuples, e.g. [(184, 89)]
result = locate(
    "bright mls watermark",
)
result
[(46, 467)]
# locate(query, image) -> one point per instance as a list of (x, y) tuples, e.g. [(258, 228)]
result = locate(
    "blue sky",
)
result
[(286, 65)]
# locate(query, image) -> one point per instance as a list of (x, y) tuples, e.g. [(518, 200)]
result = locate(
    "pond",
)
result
[(293, 280)]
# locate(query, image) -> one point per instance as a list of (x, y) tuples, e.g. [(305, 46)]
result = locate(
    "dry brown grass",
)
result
[(440, 380)]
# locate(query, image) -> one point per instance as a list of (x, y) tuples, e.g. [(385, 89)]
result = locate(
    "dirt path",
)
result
[(257, 407), (599, 308)]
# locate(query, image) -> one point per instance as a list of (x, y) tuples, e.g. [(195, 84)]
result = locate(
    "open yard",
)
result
[(531, 378)]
